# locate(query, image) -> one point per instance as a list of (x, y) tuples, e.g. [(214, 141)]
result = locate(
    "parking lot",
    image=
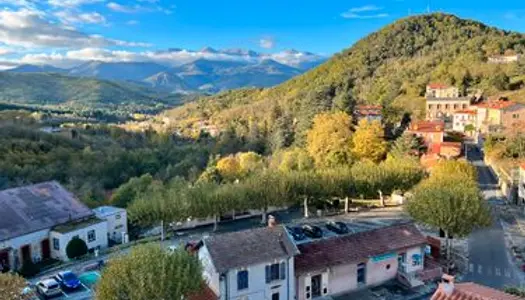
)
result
[(84, 292)]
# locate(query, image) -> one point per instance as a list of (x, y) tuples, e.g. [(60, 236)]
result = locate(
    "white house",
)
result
[(117, 221), (462, 119), (257, 264), (33, 218)]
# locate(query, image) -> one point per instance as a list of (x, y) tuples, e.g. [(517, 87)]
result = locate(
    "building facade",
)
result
[(343, 264), (34, 216), (465, 121), (257, 264), (443, 108), (117, 221), (500, 116), (432, 132), (438, 90)]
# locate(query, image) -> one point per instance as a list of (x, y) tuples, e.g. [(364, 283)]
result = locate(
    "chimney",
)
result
[(447, 284), (271, 221)]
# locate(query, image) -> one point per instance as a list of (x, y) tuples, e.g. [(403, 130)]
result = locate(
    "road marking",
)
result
[(65, 294), (507, 273), (498, 272), (480, 269), (471, 268)]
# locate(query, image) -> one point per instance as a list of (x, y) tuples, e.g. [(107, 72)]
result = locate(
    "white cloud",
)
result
[(128, 9), (136, 8), (365, 8), (357, 12), (30, 28), (5, 51), (72, 3), (132, 22), (19, 3), (73, 17), (267, 43), (171, 57)]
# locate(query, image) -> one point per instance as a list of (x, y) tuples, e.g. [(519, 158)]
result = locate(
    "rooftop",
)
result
[(427, 126), (470, 291), (500, 104), (37, 207), (104, 211), (354, 247), (466, 111), (249, 247), (438, 86), (72, 226)]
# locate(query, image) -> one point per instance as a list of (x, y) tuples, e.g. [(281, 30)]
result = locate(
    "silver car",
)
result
[(48, 288)]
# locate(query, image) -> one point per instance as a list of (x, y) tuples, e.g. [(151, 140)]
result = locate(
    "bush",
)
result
[(29, 269), (76, 248)]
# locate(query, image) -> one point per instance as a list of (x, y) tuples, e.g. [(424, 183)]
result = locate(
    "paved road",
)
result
[(489, 259)]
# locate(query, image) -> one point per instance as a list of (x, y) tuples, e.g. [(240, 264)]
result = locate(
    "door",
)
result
[(401, 260), (4, 261), (316, 286), (46, 249), (26, 253)]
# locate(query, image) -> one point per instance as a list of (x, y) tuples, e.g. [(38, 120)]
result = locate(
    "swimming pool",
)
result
[(89, 279)]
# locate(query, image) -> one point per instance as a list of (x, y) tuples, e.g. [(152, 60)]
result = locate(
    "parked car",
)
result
[(296, 232), (312, 231), (48, 288), (68, 280), (337, 227)]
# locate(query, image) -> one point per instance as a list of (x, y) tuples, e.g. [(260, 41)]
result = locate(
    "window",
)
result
[(242, 280), (446, 106), (455, 106), (275, 272), (117, 217), (361, 274), (56, 244), (464, 106), (92, 236), (439, 106), (275, 296), (430, 106)]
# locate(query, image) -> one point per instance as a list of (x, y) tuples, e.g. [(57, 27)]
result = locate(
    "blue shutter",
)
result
[(268, 275), (283, 271)]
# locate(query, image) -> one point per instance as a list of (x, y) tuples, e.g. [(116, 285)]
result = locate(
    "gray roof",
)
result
[(105, 211), (249, 247), (37, 207)]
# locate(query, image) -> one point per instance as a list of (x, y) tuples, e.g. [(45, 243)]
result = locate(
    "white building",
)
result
[(35, 218), (117, 221), (464, 118), (504, 59), (257, 264)]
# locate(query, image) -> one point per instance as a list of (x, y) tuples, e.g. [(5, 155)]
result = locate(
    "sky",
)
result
[(66, 32)]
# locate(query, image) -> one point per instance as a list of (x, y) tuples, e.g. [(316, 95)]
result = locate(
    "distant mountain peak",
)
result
[(209, 50)]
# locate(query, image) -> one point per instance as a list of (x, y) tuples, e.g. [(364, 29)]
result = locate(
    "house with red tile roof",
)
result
[(449, 290), (345, 263), (368, 112), (431, 132), (463, 120), (500, 116), (440, 90)]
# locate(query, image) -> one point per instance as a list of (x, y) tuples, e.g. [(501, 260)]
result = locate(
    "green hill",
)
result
[(391, 66), (52, 90)]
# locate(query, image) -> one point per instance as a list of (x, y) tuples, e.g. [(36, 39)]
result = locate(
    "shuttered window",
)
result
[(242, 280), (275, 272)]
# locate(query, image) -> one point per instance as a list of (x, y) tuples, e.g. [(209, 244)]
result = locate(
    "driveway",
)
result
[(490, 262)]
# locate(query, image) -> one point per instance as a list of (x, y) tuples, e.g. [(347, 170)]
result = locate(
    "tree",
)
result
[(451, 202), (229, 168), (130, 190), (250, 162), (294, 159), (329, 141), (406, 145), (454, 167), (150, 272), (369, 141), (12, 286), (76, 248)]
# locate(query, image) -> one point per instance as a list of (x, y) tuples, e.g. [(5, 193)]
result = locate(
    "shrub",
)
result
[(76, 248)]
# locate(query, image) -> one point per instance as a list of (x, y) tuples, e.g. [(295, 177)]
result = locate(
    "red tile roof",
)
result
[(356, 247), (471, 291), (496, 104), (206, 293), (438, 86), (427, 126), (466, 111), (368, 110)]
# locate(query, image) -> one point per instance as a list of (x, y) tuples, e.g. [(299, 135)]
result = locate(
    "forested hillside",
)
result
[(390, 67), (53, 90)]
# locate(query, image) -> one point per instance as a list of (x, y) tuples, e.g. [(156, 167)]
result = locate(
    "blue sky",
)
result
[(64, 31)]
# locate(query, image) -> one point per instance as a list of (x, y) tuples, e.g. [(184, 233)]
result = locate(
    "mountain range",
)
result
[(212, 71), (390, 67)]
